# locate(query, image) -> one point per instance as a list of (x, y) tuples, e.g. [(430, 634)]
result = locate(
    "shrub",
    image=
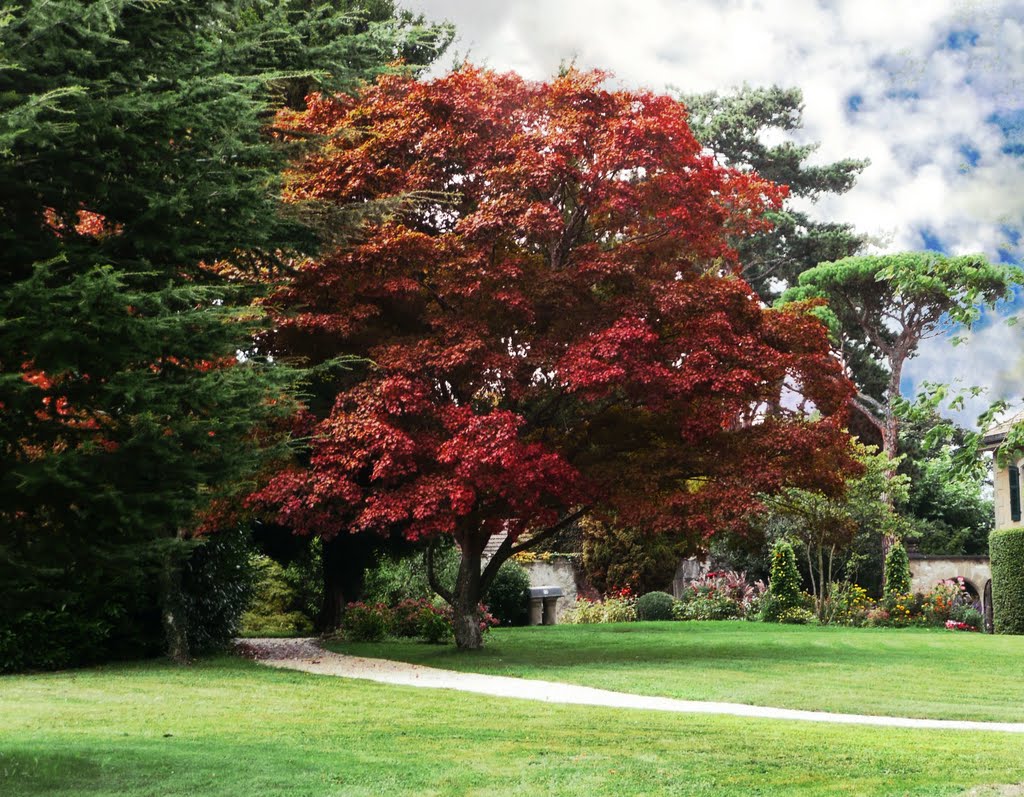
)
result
[(846, 604), (272, 609), (797, 615), (897, 570), (698, 605), (615, 557), (619, 608), (784, 581), (435, 623), (366, 622), (967, 616), (217, 586), (1006, 547), (654, 606), (506, 598)]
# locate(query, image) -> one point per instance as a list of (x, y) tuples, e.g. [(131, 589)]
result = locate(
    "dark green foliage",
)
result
[(217, 583), (897, 570), (615, 557), (733, 127), (506, 596), (134, 153), (655, 606), (784, 580), (1006, 547)]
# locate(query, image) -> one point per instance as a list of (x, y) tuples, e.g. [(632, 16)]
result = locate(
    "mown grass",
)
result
[(895, 672), (229, 727)]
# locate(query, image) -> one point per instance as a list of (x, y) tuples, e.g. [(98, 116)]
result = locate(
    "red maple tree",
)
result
[(553, 320)]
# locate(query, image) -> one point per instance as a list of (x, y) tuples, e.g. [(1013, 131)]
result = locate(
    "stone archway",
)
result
[(927, 571)]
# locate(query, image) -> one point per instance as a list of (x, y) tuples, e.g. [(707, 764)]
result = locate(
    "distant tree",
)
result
[(136, 168), (734, 127), (550, 329), (880, 308)]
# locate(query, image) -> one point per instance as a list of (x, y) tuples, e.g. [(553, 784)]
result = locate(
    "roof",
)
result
[(996, 433)]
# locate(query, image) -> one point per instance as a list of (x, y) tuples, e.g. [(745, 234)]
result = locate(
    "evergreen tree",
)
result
[(136, 171), (733, 127)]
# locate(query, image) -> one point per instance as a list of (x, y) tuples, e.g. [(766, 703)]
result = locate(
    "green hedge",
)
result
[(1006, 547)]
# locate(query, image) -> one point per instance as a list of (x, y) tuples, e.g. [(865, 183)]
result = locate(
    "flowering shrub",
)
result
[(718, 595), (878, 616), (366, 622), (618, 607), (954, 625), (797, 615), (845, 604)]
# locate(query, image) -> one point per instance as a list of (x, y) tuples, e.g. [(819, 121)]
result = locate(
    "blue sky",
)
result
[(931, 92)]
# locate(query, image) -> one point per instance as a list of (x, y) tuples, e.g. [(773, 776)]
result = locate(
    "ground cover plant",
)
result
[(229, 727), (857, 670)]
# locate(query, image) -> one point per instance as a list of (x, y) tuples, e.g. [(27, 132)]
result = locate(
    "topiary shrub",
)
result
[(655, 606), (784, 581), (897, 570), (506, 598), (1006, 548)]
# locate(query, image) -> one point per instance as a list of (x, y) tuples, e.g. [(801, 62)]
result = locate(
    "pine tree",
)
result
[(137, 169)]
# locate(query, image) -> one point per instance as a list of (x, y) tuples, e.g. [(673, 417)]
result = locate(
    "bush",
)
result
[(897, 570), (655, 606), (706, 606), (1006, 547), (217, 585), (845, 604), (619, 608), (615, 557), (435, 624), (366, 622), (967, 616), (797, 615), (784, 581), (506, 598), (273, 608)]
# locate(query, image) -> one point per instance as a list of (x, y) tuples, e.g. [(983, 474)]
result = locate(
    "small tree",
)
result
[(897, 570), (784, 581)]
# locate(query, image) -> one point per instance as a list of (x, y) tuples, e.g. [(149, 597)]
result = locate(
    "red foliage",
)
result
[(553, 316)]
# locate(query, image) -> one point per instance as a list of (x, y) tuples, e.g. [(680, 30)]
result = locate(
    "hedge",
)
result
[(1006, 548)]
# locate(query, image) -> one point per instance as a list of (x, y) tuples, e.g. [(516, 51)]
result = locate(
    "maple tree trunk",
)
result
[(344, 558), (468, 594)]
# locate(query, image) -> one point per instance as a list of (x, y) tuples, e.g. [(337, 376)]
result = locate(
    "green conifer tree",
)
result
[(135, 155)]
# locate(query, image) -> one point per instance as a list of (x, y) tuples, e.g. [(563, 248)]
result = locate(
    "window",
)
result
[(1014, 492)]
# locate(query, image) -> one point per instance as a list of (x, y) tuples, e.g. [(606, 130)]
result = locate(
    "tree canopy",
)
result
[(881, 307), (553, 323), (735, 126), (134, 157)]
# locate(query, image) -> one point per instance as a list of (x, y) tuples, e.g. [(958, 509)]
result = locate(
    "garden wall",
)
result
[(558, 573)]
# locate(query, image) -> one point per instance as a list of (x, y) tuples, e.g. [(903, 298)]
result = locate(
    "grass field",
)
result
[(897, 672), (228, 727)]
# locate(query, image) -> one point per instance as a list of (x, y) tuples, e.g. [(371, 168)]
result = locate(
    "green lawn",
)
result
[(228, 727), (897, 672)]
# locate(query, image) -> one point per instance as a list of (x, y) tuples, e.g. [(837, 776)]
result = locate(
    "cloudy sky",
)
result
[(931, 92)]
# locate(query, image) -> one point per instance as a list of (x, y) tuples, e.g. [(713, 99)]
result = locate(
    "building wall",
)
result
[(1001, 497)]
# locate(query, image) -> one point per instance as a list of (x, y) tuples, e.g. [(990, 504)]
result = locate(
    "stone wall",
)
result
[(556, 573), (927, 571)]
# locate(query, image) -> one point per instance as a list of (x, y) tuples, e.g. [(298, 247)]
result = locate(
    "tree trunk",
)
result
[(345, 558), (468, 593), (172, 604)]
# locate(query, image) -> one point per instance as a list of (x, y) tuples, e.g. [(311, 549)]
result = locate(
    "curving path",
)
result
[(307, 655)]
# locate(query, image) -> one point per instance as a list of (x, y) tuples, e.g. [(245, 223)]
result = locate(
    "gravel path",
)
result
[(307, 655)]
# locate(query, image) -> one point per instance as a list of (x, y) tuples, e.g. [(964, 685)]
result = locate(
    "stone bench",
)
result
[(543, 601)]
